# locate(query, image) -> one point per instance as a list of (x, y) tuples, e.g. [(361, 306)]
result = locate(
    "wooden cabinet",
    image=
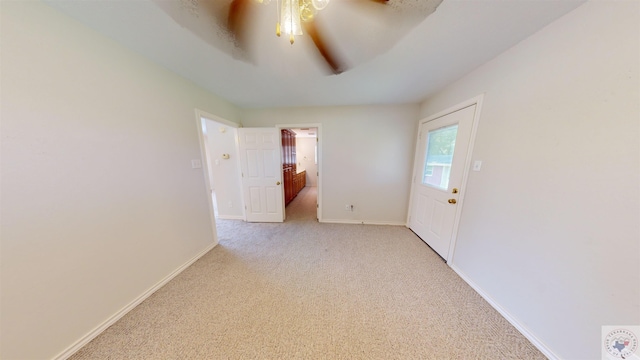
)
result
[(292, 181), (287, 180), (299, 181), (288, 164), (288, 148)]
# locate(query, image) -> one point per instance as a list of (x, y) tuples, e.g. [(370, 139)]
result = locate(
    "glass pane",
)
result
[(437, 166)]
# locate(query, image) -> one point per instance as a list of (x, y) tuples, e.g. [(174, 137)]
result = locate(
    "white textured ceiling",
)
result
[(393, 59)]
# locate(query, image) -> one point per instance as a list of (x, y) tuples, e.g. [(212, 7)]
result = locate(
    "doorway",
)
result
[(300, 162), (220, 149), (219, 138)]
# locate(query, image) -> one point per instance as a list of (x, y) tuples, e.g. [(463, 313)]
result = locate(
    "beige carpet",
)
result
[(305, 290)]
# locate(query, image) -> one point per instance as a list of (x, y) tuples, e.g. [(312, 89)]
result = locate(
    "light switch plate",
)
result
[(477, 165), (196, 164)]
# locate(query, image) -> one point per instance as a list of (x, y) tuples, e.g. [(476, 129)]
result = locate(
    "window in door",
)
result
[(439, 156)]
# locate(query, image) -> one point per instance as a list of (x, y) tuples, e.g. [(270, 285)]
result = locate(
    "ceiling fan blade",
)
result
[(329, 54), (239, 20), (369, 2)]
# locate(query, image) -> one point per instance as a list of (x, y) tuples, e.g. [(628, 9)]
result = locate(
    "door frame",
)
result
[(201, 125), (319, 145), (477, 101)]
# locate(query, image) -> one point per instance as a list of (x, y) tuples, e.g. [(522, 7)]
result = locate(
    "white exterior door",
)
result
[(441, 157), (261, 174)]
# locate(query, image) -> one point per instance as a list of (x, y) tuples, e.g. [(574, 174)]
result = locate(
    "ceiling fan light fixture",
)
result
[(307, 10), (290, 18), (320, 4), (291, 14)]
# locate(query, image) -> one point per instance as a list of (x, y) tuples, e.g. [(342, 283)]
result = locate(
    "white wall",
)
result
[(226, 173), (366, 154), (99, 201), (305, 156), (549, 228)]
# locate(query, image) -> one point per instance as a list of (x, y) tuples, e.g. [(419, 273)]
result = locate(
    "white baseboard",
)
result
[(231, 217), (519, 326), (362, 222), (117, 316)]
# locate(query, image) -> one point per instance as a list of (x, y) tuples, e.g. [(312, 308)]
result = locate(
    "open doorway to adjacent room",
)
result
[(300, 170), (222, 169), (300, 148)]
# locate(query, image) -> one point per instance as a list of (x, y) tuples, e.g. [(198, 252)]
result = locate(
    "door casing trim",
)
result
[(319, 145), (477, 101)]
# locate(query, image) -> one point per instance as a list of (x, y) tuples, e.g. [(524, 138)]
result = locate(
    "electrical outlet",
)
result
[(230, 204), (347, 208)]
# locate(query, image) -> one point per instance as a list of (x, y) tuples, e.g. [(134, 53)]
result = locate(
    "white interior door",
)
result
[(441, 158), (261, 174)]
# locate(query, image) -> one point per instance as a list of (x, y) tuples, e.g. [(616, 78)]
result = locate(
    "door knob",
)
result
[(452, 201), (278, 183)]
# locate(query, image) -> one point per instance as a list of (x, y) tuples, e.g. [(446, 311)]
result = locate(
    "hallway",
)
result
[(304, 206)]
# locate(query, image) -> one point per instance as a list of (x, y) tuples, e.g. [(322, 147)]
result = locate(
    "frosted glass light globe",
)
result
[(320, 4)]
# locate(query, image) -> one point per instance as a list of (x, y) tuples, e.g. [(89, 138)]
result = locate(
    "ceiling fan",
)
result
[(292, 17), (373, 25)]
